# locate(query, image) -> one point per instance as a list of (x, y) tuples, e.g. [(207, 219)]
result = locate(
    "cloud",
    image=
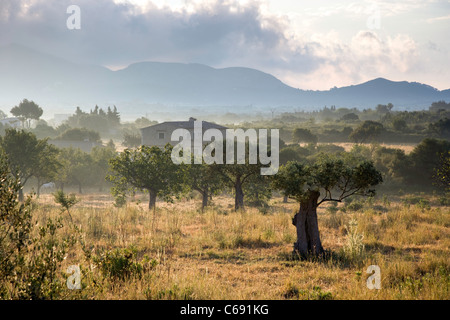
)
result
[(217, 33)]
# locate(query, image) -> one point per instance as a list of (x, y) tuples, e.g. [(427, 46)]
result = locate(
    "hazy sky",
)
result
[(307, 44)]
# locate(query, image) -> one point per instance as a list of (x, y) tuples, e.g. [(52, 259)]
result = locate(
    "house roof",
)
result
[(186, 125)]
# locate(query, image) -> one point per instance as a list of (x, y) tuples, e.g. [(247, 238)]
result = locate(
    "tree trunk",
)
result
[(285, 199), (152, 199), (21, 195), (239, 197), (38, 193), (308, 237), (205, 199)]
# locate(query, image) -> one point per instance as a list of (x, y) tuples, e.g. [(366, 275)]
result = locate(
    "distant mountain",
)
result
[(61, 85)]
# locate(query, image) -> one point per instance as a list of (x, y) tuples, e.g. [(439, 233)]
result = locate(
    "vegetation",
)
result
[(202, 242), (27, 111)]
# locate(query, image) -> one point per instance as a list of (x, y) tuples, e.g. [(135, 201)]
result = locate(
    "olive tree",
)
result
[(145, 168), (327, 179)]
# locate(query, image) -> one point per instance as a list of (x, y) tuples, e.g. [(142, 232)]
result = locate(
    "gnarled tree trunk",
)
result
[(308, 237)]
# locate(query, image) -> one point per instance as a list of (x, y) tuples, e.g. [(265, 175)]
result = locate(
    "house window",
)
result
[(161, 135)]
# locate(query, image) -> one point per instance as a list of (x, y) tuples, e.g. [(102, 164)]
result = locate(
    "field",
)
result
[(179, 252)]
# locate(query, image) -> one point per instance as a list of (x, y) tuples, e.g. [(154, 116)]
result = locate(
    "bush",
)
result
[(121, 264)]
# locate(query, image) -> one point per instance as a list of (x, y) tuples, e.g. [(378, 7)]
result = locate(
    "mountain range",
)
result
[(59, 85)]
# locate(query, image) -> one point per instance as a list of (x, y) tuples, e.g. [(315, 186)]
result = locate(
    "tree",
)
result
[(384, 108), (236, 174), (77, 168), (203, 179), (303, 135), (79, 134), (257, 190), (66, 201), (366, 132), (27, 111), (350, 117), (442, 172), (399, 125), (48, 167), (440, 129), (131, 140), (146, 168), (425, 159), (24, 152), (328, 179), (15, 224), (100, 157)]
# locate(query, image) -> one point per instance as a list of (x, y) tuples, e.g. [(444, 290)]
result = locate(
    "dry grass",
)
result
[(222, 254)]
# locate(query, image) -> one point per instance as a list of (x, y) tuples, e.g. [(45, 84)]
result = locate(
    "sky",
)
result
[(311, 45)]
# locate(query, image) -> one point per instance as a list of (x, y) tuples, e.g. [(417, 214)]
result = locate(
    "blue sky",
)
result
[(307, 44)]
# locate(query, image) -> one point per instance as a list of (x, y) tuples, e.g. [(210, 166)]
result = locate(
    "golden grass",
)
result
[(222, 254)]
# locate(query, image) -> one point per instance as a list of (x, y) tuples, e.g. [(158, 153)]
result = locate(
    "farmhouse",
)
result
[(160, 134)]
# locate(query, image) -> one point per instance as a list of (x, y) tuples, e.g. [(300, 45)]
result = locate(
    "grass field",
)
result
[(179, 252)]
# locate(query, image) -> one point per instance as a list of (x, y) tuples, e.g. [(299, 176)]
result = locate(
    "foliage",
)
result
[(346, 177), (77, 168), (203, 179), (27, 111), (25, 154), (131, 140), (145, 168), (79, 134), (366, 132), (304, 135), (66, 201), (15, 225), (96, 120), (425, 159), (119, 264), (29, 263), (442, 172)]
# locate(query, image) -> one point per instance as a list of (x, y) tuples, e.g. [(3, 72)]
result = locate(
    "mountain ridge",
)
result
[(61, 84)]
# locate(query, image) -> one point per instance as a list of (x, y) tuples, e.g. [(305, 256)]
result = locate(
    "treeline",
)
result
[(95, 125), (382, 124)]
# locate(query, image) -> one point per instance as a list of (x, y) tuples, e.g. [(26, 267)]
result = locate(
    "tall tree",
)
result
[(328, 179), (27, 111)]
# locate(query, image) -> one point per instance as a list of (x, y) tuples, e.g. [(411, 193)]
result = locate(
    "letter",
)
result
[(198, 143), (183, 310), (226, 307), (265, 309), (210, 310), (272, 157), (74, 20), (216, 146), (374, 281), (74, 280), (184, 146), (241, 136)]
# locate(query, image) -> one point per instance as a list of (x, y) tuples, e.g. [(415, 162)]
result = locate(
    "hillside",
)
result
[(59, 85)]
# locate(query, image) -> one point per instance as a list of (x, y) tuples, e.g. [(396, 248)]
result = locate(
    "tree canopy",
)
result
[(27, 111)]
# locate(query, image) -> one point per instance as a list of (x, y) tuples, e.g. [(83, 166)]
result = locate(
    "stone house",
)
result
[(160, 134)]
